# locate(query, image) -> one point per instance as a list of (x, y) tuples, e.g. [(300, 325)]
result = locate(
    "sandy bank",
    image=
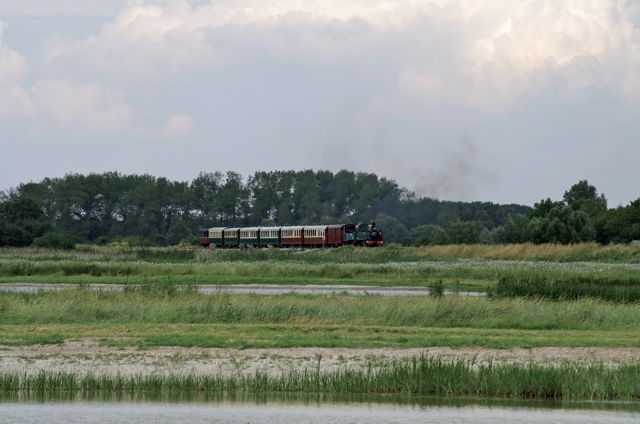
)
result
[(88, 356)]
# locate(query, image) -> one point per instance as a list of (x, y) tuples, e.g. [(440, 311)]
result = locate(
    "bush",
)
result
[(14, 235), (55, 240), (436, 289), (131, 242)]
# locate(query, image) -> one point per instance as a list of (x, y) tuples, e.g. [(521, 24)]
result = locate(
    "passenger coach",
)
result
[(292, 236)]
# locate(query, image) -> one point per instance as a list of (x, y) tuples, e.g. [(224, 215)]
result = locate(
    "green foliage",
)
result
[(417, 376), (166, 255), (393, 230), (514, 230), (436, 289), (620, 225), (108, 207), (555, 222), (21, 220), (54, 240), (625, 291), (14, 235), (139, 210), (583, 196), (428, 234), (466, 232)]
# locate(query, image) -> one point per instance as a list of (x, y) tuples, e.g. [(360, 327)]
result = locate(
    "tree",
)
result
[(583, 196), (513, 231), (428, 234), (559, 224), (21, 220), (620, 225), (393, 230), (466, 232), (233, 199)]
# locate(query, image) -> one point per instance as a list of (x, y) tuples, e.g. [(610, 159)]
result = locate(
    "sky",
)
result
[(508, 101)]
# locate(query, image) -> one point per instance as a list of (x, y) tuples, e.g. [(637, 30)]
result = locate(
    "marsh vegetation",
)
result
[(590, 303)]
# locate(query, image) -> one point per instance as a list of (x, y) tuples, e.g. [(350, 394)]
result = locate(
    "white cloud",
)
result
[(80, 107), (387, 83), (496, 46), (14, 100), (503, 46), (13, 67), (177, 126)]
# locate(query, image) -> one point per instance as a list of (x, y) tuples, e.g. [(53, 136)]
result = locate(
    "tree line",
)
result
[(143, 209)]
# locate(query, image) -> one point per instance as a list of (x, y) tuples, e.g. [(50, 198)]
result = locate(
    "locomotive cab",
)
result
[(369, 235)]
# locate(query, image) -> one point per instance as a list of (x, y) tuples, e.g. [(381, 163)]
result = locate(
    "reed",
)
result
[(170, 304), (571, 288), (420, 375), (464, 274)]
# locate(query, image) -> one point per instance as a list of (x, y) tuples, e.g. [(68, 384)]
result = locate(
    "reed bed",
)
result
[(169, 304), (582, 252), (466, 274), (420, 376), (542, 287)]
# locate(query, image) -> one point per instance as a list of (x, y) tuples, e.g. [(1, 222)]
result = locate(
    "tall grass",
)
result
[(170, 304), (582, 252), (472, 274), (418, 376), (623, 291)]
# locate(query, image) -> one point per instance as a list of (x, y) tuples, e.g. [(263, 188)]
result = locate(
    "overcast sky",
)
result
[(509, 101)]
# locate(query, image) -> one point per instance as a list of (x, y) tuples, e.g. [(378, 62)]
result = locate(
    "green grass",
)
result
[(169, 304), (166, 315), (620, 291), (388, 267), (160, 292), (418, 376), (299, 335)]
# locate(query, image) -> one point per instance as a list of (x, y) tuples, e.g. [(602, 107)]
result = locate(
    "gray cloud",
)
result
[(493, 100)]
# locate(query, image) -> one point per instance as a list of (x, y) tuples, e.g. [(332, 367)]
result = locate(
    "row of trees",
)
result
[(581, 216), (99, 208)]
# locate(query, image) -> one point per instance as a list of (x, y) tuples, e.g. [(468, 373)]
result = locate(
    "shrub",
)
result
[(55, 240), (436, 289)]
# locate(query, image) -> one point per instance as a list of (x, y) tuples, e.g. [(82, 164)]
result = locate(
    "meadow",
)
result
[(537, 296), (467, 268)]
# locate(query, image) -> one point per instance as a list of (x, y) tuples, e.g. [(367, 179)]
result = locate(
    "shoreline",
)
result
[(83, 357)]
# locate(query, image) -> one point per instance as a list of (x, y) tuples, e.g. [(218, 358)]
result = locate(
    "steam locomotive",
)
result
[(293, 236)]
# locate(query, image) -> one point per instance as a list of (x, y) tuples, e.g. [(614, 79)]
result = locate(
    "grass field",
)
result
[(172, 317), (467, 268), (534, 302)]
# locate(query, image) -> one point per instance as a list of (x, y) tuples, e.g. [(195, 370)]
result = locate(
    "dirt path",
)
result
[(88, 356)]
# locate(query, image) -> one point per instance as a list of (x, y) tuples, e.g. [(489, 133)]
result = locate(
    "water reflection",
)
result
[(294, 413), (271, 409)]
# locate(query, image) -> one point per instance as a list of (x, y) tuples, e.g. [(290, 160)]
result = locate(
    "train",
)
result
[(300, 236)]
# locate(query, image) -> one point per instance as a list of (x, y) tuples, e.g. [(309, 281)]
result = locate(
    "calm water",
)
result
[(296, 413)]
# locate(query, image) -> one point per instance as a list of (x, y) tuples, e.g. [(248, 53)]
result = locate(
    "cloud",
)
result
[(504, 48), (387, 84), (177, 126), (14, 100), (81, 107), (13, 67), (487, 55)]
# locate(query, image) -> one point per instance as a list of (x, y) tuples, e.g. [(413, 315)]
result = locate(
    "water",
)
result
[(297, 413), (267, 289)]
